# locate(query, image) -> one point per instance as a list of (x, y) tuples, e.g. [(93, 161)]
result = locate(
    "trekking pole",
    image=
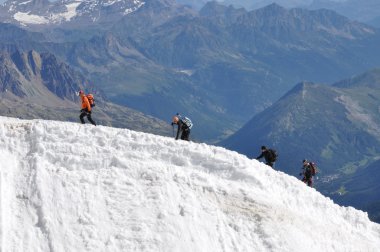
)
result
[(173, 129)]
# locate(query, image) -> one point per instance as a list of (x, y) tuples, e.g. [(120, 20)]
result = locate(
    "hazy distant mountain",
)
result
[(366, 11), (248, 4), (255, 4), (361, 10), (375, 22), (196, 4)]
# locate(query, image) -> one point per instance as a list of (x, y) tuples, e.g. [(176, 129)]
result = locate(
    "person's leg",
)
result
[(185, 134), (90, 119), (83, 114), (310, 183)]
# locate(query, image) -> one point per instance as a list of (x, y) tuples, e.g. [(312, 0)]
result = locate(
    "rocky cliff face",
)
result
[(10, 77), (22, 73)]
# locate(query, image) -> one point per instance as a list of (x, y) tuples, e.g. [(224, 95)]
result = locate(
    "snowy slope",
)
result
[(42, 12), (69, 187)]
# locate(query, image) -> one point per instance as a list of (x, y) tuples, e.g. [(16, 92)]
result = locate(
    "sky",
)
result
[(71, 187)]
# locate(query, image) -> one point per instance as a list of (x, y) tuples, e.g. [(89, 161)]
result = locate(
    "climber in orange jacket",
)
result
[(86, 108)]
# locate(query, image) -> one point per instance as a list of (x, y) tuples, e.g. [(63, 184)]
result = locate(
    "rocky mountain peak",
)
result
[(214, 9)]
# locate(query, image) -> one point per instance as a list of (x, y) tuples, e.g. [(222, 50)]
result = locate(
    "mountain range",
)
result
[(194, 62), (367, 11), (254, 57)]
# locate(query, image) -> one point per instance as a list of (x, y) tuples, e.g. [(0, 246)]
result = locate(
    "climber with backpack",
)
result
[(184, 126), (309, 170), (87, 104), (269, 155)]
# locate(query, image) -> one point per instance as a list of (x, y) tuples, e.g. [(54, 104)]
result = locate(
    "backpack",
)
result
[(91, 100), (273, 155), (187, 122), (314, 168)]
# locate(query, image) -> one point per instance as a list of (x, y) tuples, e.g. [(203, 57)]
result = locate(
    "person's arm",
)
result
[(261, 156), (302, 173)]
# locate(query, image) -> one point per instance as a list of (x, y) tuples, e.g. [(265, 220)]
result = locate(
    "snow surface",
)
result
[(26, 18), (26, 2), (72, 187), (71, 11)]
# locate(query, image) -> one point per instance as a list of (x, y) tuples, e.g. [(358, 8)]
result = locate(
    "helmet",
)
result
[(175, 119), (263, 147), (79, 92)]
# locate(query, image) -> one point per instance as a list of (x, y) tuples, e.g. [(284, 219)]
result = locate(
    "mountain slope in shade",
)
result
[(338, 125), (131, 191), (361, 190)]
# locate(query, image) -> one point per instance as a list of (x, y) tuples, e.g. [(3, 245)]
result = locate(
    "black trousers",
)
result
[(185, 134), (88, 114), (308, 180), (270, 164)]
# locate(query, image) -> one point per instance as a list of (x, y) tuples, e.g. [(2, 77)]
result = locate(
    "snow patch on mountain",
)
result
[(33, 12), (26, 2), (26, 18), (69, 14)]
